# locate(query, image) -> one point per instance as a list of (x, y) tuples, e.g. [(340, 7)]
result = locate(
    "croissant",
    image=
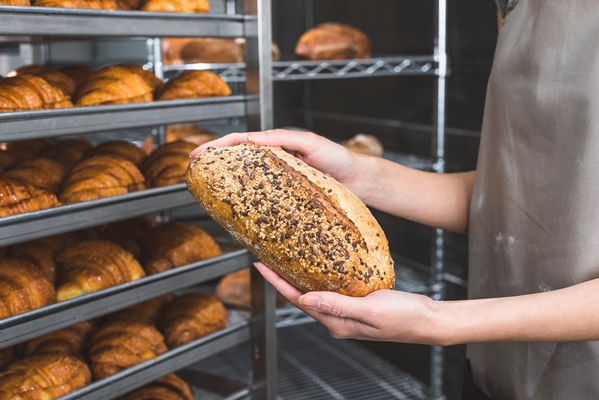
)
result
[(92, 265), (192, 84), (40, 172), (99, 177), (22, 288), (128, 234), (17, 197), (189, 133), (27, 149), (77, 72), (7, 356), (146, 312), (189, 6), (30, 69), (118, 345), (174, 244), (169, 387), (55, 78), (234, 289), (44, 376), (29, 92), (190, 317), (119, 148), (68, 152), (70, 340), (15, 2), (167, 164), (333, 41), (117, 84), (92, 4)]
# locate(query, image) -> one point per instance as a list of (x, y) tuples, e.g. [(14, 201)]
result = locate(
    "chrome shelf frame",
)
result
[(72, 217), (34, 323), (79, 120)]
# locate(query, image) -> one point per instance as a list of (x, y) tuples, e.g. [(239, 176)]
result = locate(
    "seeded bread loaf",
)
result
[(302, 223)]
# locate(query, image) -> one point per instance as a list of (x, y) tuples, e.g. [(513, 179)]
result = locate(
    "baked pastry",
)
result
[(22, 288), (234, 290), (365, 144), (99, 177), (191, 85), (185, 6), (93, 4), (17, 197), (333, 41), (190, 317), (118, 345), (206, 50), (119, 148), (169, 387), (54, 78), (70, 340), (174, 244), (27, 149), (116, 84), (147, 312), (29, 92), (8, 355), (302, 223), (68, 152), (167, 164), (44, 376), (15, 3), (129, 234), (40, 172), (189, 133), (77, 72), (92, 265)]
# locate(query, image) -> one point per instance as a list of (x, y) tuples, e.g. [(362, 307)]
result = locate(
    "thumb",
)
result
[(335, 304)]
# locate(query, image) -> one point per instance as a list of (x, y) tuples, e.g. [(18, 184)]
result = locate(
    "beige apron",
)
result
[(534, 219)]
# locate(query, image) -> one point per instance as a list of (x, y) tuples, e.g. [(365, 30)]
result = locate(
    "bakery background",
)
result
[(398, 110)]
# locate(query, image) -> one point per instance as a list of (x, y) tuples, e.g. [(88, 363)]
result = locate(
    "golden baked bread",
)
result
[(101, 176), (118, 345), (191, 85), (174, 244), (27, 149), (15, 3), (189, 133), (92, 265), (43, 376), (40, 172), (17, 197), (55, 78), (68, 152), (29, 69), (185, 6), (302, 223), (22, 288), (169, 387), (116, 84), (70, 340), (333, 41), (234, 289), (119, 148), (365, 144), (190, 317), (206, 50), (77, 72), (8, 355), (167, 164), (147, 312), (92, 4), (29, 92), (129, 234)]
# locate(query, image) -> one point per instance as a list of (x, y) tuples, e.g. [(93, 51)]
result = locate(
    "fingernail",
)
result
[(310, 301)]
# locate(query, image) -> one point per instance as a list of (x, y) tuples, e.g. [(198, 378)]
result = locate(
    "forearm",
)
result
[(569, 314), (438, 200)]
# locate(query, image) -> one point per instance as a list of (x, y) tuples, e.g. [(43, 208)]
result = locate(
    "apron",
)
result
[(534, 217)]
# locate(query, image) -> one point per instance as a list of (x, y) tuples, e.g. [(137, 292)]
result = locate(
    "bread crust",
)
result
[(302, 223)]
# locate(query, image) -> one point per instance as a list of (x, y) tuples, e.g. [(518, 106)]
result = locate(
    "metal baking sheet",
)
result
[(79, 120), (51, 221), (60, 22), (25, 326)]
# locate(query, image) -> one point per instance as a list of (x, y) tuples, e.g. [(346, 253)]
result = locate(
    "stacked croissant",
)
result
[(37, 87), (62, 361), (186, 6), (43, 271), (37, 174)]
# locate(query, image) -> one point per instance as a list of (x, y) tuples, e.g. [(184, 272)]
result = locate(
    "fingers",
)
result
[(228, 140), (337, 305), (285, 288)]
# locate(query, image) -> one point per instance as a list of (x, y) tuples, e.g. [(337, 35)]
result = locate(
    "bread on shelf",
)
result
[(169, 387), (120, 149), (92, 4), (53, 77), (183, 6), (365, 144), (21, 3), (39, 172), (17, 197), (167, 164), (27, 149), (174, 244), (99, 177), (234, 290), (191, 85), (92, 265), (189, 133), (77, 72), (147, 312), (333, 41), (116, 84), (22, 288), (129, 234), (43, 376), (190, 317), (68, 152), (177, 51), (70, 340), (118, 345), (29, 92)]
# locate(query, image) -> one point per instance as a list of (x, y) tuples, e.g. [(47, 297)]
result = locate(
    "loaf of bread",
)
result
[(333, 41), (22, 288), (167, 164), (169, 387), (116, 84), (120, 149), (191, 85), (44, 376), (92, 265), (29, 92), (190, 317), (234, 290), (17, 197), (365, 144), (302, 223), (185, 6), (70, 340), (39, 172)]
